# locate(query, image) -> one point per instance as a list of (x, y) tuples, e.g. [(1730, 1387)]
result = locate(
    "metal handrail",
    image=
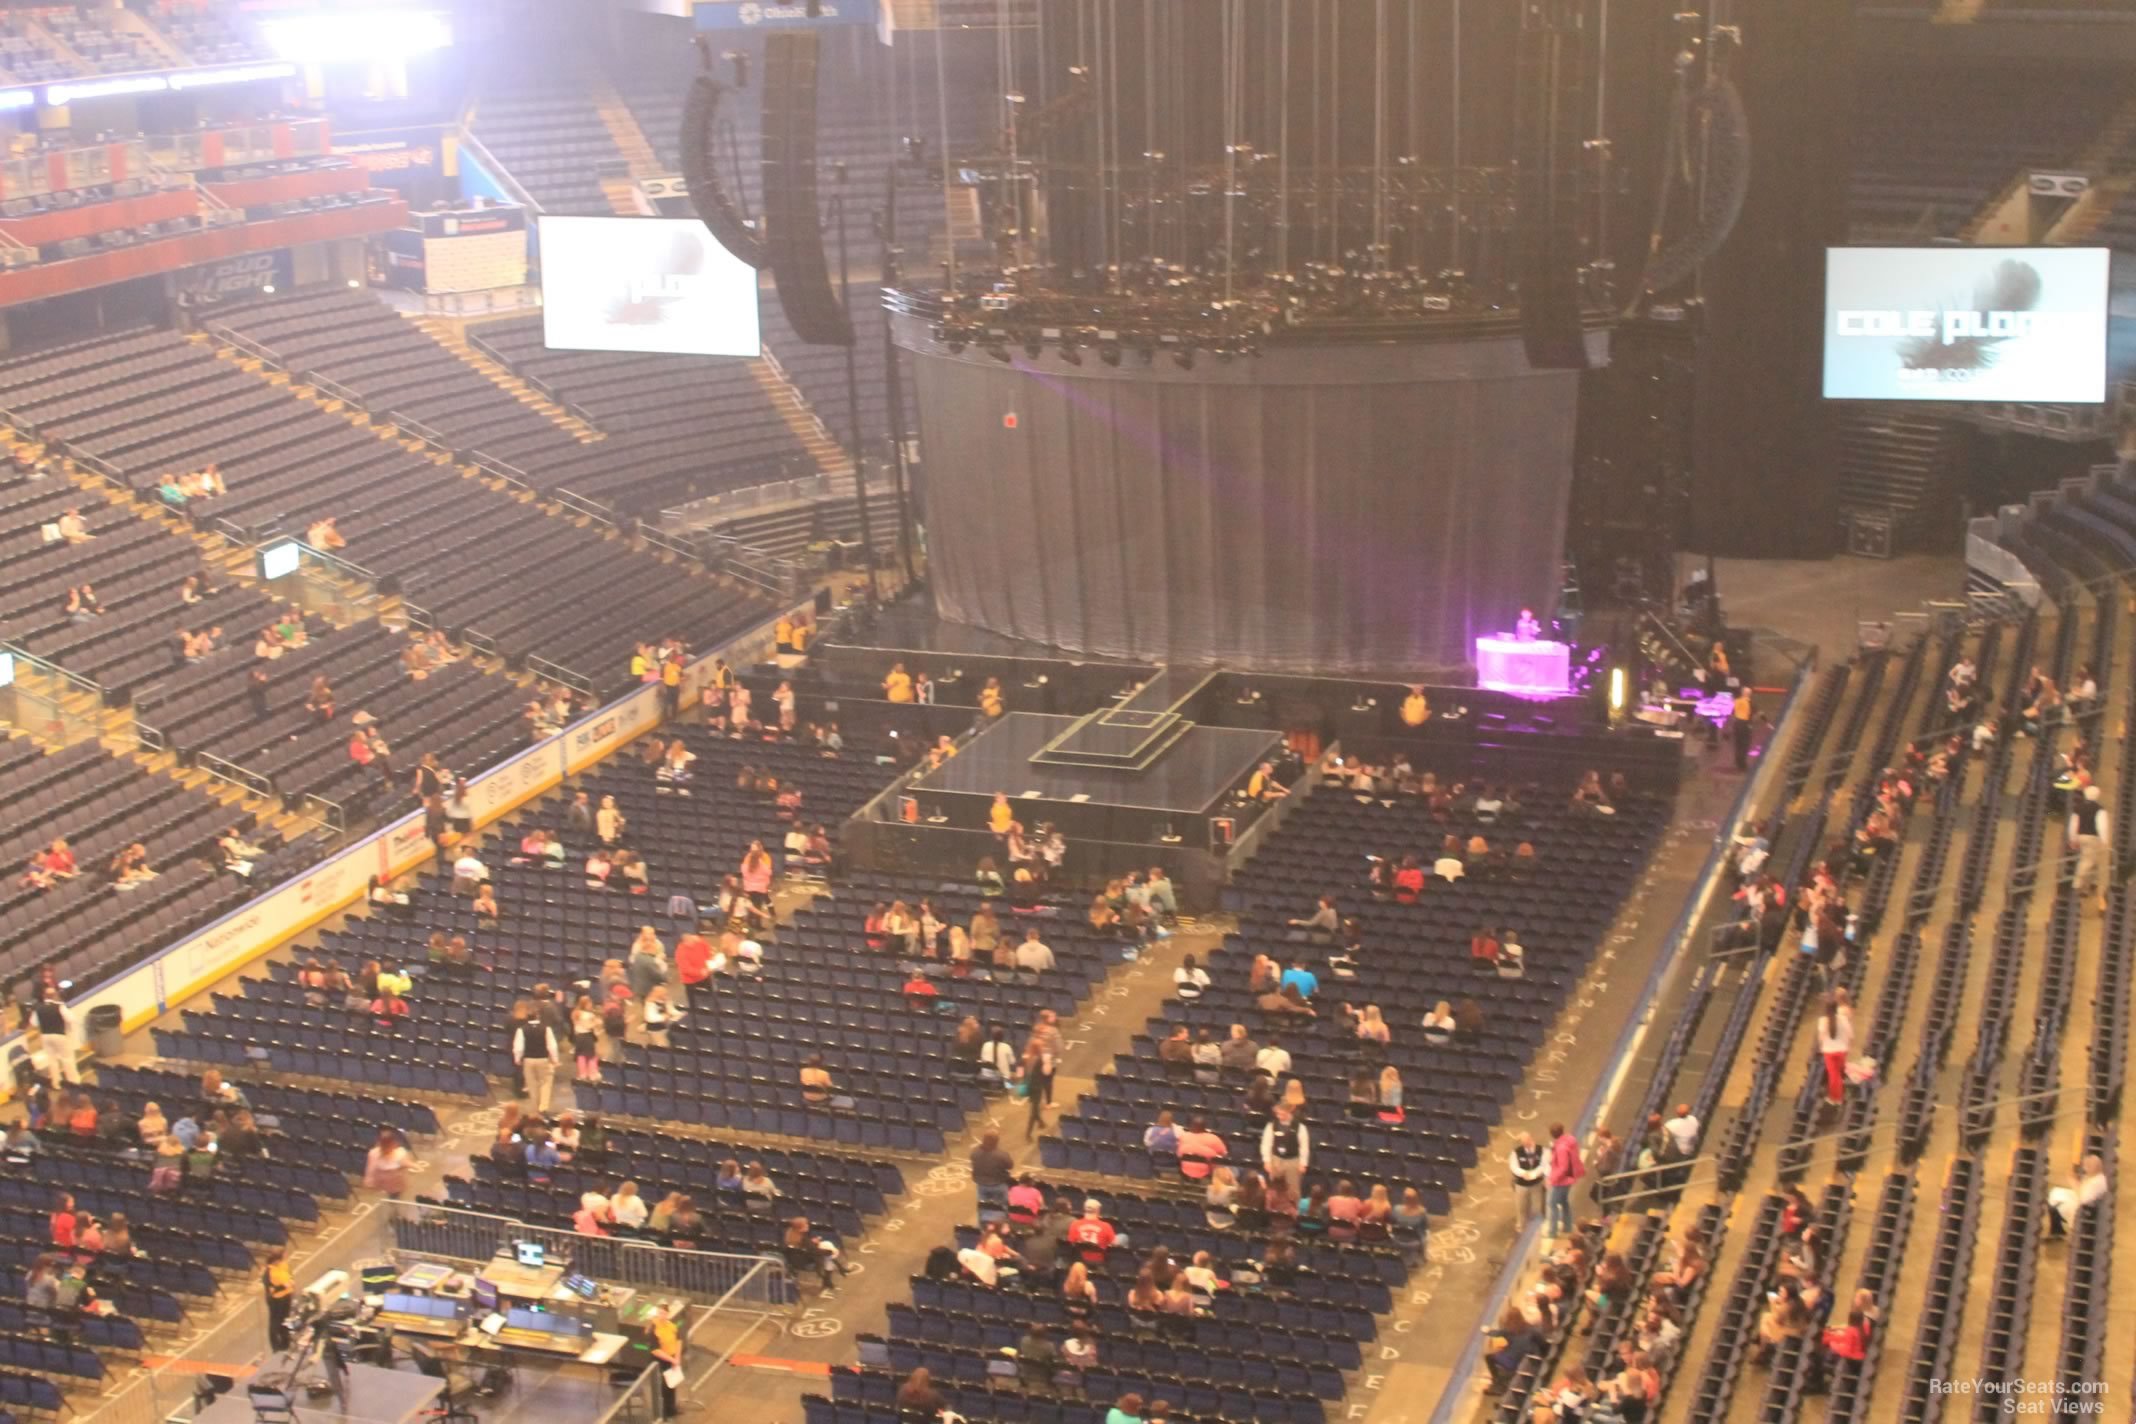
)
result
[(223, 769), (328, 386), (348, 567), (504, 470), (257, 350), (429, 435), (330, 813), (659, 539), (579, 504), (556, 672), (489, 164), (53, 670)]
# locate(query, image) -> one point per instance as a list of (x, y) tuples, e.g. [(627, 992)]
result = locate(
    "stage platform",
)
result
[(1190, 777), (375, 1396)]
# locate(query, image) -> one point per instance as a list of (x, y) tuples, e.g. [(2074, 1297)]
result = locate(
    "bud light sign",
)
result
[(253, 274)]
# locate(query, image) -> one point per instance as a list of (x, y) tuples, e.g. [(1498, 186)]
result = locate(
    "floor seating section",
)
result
[(679, 426), (1255, 1356), (135, 569), (469, 558), (558, 930), (1416, 955), (100, 804), (469, 720), (1933, 151), (836, 1193)]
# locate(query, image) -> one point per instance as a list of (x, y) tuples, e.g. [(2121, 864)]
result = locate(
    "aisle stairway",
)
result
[(451, 333)]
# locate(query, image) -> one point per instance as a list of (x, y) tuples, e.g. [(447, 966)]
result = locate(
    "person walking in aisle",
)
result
[(281, 1289), (1566, 1169), (1530, 1173), (534, 1050), (1835, 1040), (2088, 833)]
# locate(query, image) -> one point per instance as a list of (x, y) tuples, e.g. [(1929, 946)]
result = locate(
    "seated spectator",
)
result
[(322, 534), (1198, 1149), (468, 873), (2064, 1204), (73, 528), (1449, 866), (1161, 1136), (1324, 919), (1439, 1024), (83, 605), (130, 867)]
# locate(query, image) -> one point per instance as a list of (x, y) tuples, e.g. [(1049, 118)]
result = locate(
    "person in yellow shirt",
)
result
[(281, 1288), (898, 685), (667, 1355), (803, 633), (1416, 711), (990, 701), (1002, 816), (782, 634)]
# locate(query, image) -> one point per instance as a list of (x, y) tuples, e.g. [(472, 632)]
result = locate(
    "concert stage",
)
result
[(1342, 507)]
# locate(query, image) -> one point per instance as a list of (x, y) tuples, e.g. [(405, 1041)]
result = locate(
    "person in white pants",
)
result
[(2063, 1203), (1530, 1169), (58, 1021), (2088, 833), (534, 1050)]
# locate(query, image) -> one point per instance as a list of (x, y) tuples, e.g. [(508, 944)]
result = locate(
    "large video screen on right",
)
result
[(1966, 323)]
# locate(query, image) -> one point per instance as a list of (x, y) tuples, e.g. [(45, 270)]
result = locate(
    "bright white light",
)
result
[(59, 94), (268, 289), (279, 560), (361, 35), (237, 74), (17, 98), (1616, 691)]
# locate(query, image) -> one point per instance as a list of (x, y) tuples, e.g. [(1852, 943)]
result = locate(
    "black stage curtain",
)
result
[(1247, 514)]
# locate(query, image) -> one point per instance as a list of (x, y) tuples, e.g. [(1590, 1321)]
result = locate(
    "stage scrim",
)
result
[(1334, 508)]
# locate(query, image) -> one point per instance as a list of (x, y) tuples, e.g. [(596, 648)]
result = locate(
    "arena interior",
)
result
[(1066, 711)]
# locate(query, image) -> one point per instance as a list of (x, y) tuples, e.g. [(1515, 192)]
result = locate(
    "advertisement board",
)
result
[(247, 275)]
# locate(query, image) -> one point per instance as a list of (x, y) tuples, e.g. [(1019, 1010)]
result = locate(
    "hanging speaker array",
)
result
[(793, 230), (700, 169)]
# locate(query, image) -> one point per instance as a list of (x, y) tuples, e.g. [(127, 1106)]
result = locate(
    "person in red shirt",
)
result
[(693, 958), (65, 1223), (1091, 1233), (1483, 949), (58, 860), (919, 990), (1408, 881)]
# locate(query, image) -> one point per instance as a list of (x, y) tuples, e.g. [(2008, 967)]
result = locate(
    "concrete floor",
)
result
[(1821, 601)]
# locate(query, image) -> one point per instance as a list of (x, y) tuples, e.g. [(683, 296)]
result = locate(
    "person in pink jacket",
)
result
[(757, 871), (1566, 1168)]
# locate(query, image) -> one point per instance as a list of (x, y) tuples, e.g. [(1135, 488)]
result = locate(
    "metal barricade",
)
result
[(711, 1278)]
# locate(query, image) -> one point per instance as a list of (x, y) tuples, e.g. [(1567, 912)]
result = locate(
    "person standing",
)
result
[(1835, 1040), (1286, 1148), (667, 1357), (1739, 726), (991, 1170), (57, 1022), (385, 1166), (534, 1050), (1566, 1169), (2088, 833), (281, 1288), (1530, 1172)]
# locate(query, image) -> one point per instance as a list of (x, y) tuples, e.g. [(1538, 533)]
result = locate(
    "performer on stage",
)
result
[(1528, 628)]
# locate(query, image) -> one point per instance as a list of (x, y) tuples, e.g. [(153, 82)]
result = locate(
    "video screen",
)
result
[(644, 284), (1966, 323)]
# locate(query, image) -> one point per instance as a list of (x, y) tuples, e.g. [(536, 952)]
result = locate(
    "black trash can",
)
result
[(107, 1031)]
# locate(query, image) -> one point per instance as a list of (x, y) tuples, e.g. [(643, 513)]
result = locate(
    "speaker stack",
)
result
[(1549, 89), (793, 231)]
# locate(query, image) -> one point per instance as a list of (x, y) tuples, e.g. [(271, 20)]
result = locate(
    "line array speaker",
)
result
[(700, 170), (793, 230), (1549, 85)]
